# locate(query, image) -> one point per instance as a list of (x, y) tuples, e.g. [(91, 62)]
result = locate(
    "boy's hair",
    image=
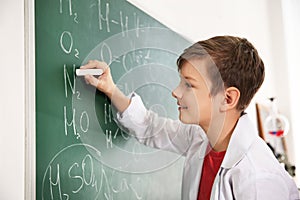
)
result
[(234, 59)]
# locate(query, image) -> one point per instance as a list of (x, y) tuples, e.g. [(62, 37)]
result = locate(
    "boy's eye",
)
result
[(188, 84)]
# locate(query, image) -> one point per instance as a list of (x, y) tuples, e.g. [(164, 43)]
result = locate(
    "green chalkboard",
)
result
[(81, 152)]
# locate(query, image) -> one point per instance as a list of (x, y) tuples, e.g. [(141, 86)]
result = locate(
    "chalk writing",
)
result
[(123, 134), (107, 113), (65, 37), (84, 173), (78, 95), (56, 183), (84, 122), (76, 173), (135, 58), (72, 123), (123, 20), (75, 18), (135, 192), (75, 177), (124, 186), (106, 48), (136, 24), (76, 53), (68, 35), (86, 177), (68, 82), (109, 143), (85, 116), (61, 7), (103, 18), (124, 27)]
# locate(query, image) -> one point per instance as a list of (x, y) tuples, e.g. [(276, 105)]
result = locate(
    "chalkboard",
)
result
[(81, 152)]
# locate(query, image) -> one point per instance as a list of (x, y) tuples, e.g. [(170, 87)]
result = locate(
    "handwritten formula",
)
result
[(85, 175)]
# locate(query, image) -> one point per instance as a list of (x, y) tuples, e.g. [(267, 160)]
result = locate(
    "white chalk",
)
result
[(83, 72)]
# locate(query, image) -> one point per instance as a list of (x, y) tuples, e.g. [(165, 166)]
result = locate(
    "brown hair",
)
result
[(237, 63)]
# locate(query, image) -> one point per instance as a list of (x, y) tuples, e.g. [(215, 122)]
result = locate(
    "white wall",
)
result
[(12, 100), (258, 20), (291, 19)]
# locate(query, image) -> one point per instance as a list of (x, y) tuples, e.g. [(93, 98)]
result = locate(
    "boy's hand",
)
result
[(104, 83)]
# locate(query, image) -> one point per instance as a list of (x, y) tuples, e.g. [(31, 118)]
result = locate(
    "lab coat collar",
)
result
[(240, 141)]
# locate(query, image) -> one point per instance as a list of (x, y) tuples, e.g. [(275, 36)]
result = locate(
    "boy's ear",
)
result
[(231, 99)]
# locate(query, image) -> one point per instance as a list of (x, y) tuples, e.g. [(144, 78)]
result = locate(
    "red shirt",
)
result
[(211, 165)]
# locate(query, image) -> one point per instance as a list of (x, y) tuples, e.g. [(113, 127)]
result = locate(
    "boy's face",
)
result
[(196, 106)]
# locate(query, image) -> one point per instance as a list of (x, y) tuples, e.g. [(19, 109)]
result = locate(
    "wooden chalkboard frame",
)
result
[(30, 131)]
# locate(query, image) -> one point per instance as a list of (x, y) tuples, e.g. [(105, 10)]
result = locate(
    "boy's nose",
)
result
[(173, 94), (176, 93)]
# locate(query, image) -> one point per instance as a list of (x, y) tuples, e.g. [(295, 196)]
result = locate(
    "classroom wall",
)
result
[(258, 20), (12, 100), (291, 18)]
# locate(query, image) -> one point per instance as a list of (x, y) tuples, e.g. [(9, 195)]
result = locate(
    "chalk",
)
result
[(83, 72)]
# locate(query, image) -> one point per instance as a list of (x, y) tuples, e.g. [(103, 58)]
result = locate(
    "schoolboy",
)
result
[(225, 158)]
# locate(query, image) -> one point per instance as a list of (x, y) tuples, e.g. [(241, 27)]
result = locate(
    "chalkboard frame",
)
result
[(30, 123)]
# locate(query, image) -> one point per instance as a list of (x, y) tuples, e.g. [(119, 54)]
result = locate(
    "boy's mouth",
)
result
[(182, 107)]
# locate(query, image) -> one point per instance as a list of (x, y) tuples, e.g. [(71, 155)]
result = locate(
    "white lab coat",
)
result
[(249, 170)]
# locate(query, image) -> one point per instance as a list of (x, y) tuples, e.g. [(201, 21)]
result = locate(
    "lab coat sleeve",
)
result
[(154, 131), (267, 186)]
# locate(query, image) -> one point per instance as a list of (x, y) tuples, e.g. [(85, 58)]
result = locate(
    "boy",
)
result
[(225, 158)]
